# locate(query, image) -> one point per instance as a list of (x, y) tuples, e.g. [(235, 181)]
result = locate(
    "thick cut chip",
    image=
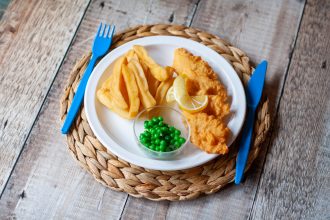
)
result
[(105, 98), (162, 90), (132, 90), (115, 83), (156, 70), (153, 83), (129, 55), (170, 70), (146, 98)]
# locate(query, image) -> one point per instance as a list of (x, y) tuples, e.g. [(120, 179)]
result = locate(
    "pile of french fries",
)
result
[(136, 82)]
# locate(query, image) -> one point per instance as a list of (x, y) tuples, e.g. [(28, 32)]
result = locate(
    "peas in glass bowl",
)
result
[(161, 131)]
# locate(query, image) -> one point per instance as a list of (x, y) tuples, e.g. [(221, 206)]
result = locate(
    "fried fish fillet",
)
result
[(208, 130)]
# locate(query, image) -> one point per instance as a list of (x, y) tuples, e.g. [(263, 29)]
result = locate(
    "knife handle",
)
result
[(244, 146)]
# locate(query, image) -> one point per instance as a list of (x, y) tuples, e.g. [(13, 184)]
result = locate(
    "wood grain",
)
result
[(34, 36), (265, 30), (47, 183), (296, 179)]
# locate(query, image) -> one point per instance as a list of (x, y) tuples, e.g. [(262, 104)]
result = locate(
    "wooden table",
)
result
[(41, 40)]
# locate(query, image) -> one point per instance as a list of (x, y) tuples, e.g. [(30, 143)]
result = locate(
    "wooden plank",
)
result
[(265, 30), (47, 183), (34, 36), (296, 179)]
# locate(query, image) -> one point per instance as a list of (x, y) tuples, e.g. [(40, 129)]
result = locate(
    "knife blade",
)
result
[(253, 96)]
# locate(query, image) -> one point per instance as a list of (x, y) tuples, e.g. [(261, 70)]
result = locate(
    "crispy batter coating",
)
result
[(208, 130)]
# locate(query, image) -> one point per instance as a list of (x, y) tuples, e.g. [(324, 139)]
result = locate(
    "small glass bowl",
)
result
[(172, 117)]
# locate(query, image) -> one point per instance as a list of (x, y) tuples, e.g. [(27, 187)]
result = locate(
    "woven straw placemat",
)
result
[(120, 175)]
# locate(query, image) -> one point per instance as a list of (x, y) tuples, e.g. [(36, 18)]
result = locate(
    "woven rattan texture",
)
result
[(120, 175)]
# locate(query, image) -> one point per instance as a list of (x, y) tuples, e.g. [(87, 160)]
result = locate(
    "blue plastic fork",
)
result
[(101, 45)]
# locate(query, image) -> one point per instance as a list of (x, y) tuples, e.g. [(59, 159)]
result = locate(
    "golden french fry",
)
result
[(131, 55), (144, 66), (170, 70), (103, 96), (132, 91), (146, 98), (139, 70), (152, 83), (162, 90), (156, 70), (106, 99), (115, 84)]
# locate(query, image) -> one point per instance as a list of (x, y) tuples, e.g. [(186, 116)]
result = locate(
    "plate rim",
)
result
[(104, 138)]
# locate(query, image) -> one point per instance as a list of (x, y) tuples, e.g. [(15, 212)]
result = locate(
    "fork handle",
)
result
[(78, 97)]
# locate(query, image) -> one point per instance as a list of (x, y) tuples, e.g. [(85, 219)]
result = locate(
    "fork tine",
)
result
[(107, 31), (103, 30), (99, 30), (110, 34)]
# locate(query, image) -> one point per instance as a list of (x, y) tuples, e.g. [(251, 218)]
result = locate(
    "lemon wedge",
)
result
[(179, 93)]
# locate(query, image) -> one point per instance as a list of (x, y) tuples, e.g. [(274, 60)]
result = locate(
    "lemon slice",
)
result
[(170, 95), (187, 103), (179, 87), (194, 103)]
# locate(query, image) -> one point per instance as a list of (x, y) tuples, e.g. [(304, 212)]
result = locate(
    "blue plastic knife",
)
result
[(253, 95)]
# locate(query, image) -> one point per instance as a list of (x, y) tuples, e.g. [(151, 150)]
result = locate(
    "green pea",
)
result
[(162, 148), (157, 148), (153, 131), (172, 129), (167, 138), (164, 129), (152, 147), (157, 141), (160, 124), (177, 144), (163, 143), (177, 132), (172, 135), (156, 135), (182, 140), (154, 120), (160, 118), (151, 124), (146, 124), (176, 137)]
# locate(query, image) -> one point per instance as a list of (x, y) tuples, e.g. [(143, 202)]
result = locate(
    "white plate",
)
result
[(116, 133)]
